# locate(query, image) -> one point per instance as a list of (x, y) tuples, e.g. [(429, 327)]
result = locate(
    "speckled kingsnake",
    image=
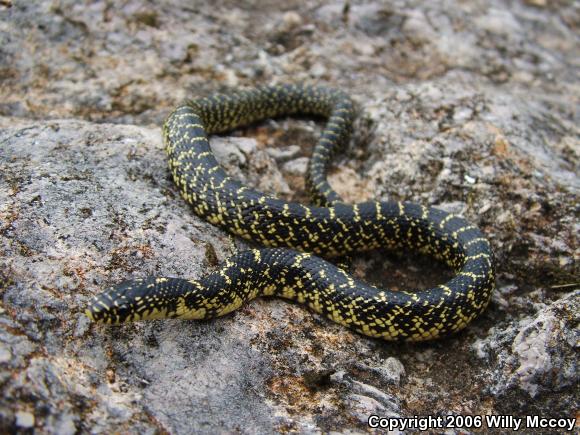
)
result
[(331, 230)]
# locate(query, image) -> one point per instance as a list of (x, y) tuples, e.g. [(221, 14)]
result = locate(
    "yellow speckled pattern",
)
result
[(295, 234)]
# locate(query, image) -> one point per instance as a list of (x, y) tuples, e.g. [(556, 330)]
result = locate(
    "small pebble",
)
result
[(291, 20), (24, 419), (395, 369), (469, 179), (5, 354), (297, 166), (283, 154), (82, 325)]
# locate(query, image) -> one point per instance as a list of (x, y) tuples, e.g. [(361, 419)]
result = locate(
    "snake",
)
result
[(298, 242)]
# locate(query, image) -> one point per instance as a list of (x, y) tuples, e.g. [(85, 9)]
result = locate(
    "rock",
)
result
[(5, 354), (537, 356), (467, 106), (291, 20), (500, 21), (297, 166), (389, 371), (318, 70), (540, 358), (24, 419), (363, 400), (393, 370), (229, 153), (283, 154)]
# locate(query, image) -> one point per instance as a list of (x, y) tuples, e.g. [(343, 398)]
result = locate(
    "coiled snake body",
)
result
[(295, 234)]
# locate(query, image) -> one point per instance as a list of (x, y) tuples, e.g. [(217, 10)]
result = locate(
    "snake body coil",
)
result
[(296, 233)]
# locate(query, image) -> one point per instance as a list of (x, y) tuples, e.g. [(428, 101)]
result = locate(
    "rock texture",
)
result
[(471, 106)]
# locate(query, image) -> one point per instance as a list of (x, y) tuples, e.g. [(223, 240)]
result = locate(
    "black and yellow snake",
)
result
[(296, 234)]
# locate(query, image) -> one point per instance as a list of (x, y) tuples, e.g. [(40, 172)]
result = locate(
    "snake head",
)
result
[(140, 299)]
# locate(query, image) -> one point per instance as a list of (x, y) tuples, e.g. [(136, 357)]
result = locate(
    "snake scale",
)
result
[(296, 236)]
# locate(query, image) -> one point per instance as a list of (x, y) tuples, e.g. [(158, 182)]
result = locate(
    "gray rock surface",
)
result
[(470, 106)]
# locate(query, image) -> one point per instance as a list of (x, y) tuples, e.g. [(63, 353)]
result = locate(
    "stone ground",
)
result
[(470, 106)]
